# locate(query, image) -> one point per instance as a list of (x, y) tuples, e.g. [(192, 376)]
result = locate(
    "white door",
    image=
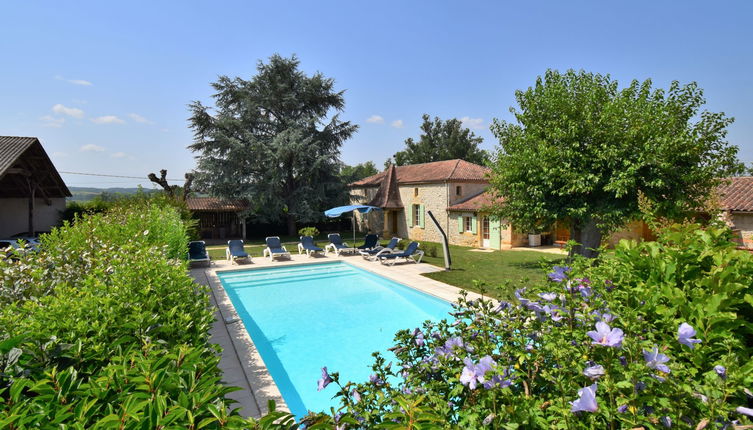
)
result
[(485, 232)]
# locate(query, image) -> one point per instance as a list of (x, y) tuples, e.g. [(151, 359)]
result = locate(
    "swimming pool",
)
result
[(304, 317)]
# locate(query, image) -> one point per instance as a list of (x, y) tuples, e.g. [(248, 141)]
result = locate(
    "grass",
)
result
[(495, 273)]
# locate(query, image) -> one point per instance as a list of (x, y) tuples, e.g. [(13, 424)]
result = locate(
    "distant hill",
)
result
[(83, 194)]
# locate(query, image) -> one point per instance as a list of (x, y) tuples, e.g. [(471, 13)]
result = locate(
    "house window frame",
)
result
[(467, 224), (458, 190), (416, 215), (415, 192), (485, 228)]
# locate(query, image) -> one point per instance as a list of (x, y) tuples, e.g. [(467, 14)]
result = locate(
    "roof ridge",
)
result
[(471, 197), (457, 163)]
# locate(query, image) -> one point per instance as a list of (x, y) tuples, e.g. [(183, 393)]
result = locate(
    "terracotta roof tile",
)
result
[(437, 171), (214, 204), (388, 196), (737, 195), (473, 203)]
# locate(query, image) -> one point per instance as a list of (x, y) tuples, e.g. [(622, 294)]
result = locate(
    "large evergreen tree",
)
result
[(359, 171), (586, 152), (441, 140), (272, 141)]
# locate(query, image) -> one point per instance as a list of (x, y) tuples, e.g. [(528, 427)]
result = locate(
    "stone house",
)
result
[(408, 193), (32, 193), (736, 203)]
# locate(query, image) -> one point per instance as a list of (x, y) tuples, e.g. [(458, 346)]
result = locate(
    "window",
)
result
[(467, 223), (416, 214), (415, 192), (458, 190), (485, 228)]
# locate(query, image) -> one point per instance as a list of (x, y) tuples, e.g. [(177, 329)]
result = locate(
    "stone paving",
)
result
[(241, 363)]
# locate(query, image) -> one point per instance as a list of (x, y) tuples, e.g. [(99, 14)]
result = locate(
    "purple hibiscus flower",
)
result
[(559, 273), (594, 372), (685, 335), (326, 380), (622, 409), (473, 374), (419, 337), (744, 411), (666, 421), (376, 380), (655, 360), (606, 336), (721, 371), (356, 396), (586, 401), (548, 296), (502, 306)]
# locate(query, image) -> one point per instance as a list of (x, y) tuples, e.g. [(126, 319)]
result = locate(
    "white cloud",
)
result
[(398, 123), (138, 118), (119, 155), (474, 123), (51, 121), (107, 119), (64, 110), (74, 81), (375, 119), (92, 148)]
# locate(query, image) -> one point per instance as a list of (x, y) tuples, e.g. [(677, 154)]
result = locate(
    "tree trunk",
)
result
[(292, 230), (588, 236)]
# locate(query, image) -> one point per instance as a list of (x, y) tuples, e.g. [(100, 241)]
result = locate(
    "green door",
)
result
[(495, 226)]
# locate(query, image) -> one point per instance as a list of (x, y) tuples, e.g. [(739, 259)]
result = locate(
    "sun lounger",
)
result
[(372, 254), (307, 244), (409, 254), (337, 245), (274, 248), (235, 251), (369, 242), (197, 252)]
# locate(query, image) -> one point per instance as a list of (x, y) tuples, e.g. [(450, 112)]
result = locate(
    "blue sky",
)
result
[(105, 85)]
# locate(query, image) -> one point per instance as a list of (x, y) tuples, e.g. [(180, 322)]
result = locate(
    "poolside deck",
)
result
[(241, 363)]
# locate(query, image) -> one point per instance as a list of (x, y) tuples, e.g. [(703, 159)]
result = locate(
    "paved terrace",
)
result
[(241, 363)]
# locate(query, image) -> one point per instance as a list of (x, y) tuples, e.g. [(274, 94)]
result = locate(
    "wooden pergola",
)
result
[(27, 172)]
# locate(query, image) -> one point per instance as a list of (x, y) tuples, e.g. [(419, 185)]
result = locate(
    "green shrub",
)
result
[(431, 249), (309, 231), (104, 328), (403, 243), (656, 335)]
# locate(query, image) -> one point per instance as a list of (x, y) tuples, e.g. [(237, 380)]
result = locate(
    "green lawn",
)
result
[(500, 271)]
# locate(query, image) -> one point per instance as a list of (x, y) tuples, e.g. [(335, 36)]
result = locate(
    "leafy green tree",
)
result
[(359, 171), (586, 152), (441, 140), (271, 140)]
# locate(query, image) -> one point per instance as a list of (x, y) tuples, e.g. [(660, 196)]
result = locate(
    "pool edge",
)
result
[(262, 385)]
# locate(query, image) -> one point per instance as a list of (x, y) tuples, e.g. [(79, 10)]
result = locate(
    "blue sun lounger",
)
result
[(274, 248), (197, 252), (336, 244), (369, 242), (235, 251), (307, 244), (409, 254), (372, 254)]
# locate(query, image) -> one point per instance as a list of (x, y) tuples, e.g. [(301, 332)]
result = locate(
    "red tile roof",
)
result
[(388, 196), (437, 171), (214, 204), (473, 203), (737, 194)]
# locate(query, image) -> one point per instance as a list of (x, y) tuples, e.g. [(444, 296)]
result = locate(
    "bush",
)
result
[(431, 249), (104, 328), (656, 335), (309, 231)]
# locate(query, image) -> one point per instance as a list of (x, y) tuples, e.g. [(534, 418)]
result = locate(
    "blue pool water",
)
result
[(302, 318)]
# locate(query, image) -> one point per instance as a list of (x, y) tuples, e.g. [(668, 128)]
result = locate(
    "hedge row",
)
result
[(105, 329)]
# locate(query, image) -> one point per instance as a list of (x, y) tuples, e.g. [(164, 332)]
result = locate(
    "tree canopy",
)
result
[(359, 171), (441, 140), (584, 151), (271, 140)]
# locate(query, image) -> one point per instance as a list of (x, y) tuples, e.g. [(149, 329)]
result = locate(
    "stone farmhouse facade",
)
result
[(454, 191)]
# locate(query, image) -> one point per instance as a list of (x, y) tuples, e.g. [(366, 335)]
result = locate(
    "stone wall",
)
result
[(466, 190), (434, 199), (742, 226), (14, 216), (465, 238), (634, 230)]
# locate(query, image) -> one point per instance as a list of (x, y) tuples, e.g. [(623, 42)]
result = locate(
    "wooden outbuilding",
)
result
[(32, 193)]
